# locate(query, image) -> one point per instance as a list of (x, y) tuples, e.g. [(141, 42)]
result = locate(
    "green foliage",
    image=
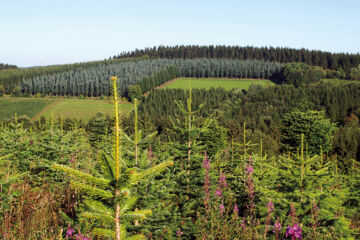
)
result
[(305, 182), (7, 177), (16, 92), (36, 151), (30, 107), (134, 91), (150, 82), (13, 76), (346, 145), (317, 130), (146, 73), (6, 66), (214, 138), (97, 128), (2, 90), (110, 197), (300, 73), (355, 73), (278, 54)]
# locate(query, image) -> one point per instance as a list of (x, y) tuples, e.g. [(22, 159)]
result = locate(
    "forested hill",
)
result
[(6, 66), (9, 78), (278, 54)]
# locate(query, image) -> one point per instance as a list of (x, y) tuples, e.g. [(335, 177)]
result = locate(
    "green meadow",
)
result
[(207, 83), (80, 108)]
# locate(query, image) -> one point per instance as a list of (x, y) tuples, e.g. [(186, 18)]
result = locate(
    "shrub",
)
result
[(300, 73), (134, 91)]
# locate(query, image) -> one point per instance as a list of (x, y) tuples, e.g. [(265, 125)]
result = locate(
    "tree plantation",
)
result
[(276, 160)]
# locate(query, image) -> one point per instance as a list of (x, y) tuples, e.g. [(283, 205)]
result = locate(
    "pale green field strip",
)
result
[(83, 109), (207, 83), (34, 108)]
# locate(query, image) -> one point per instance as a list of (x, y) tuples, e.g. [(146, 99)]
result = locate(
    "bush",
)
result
[(300, 73), (317, 130), (134, 91), (355, 73)]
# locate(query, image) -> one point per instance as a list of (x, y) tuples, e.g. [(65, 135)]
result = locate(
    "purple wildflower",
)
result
[(79, 236), (294, 231), (206, 162), (222, 180), (270, 206), (70, 231), (179, 233), (218, 193), (236, 209), (221, 208), (249, 169), (243, 223), (277, 226)]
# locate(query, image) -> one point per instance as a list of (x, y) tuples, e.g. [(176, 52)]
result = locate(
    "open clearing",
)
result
[(83, 108), (207, 83), (34, 108)]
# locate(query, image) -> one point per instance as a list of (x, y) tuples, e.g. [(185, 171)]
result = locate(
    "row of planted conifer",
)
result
[(92, 80)]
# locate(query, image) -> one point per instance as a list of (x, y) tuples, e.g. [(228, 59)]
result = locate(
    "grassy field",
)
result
[(208, 83), (35, 108), (82, 108)]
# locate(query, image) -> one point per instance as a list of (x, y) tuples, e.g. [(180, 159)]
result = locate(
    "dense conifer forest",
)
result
[(278, 54)]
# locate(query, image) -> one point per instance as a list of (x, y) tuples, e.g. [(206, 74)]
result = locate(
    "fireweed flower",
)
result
[(221, 184), (294, 231), (221, 208), (218, 193), (243, 223), (277, 226), (249, 169), (270, 206), (206, 163), (70, 231), (236, 211), (222, 180), (79, 236), (179, 233)]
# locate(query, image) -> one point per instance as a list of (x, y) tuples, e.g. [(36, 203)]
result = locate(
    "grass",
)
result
[(34, 108), (207, 83), (83, 108)]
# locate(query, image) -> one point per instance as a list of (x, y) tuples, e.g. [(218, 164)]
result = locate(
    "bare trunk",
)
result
[(117, 219)]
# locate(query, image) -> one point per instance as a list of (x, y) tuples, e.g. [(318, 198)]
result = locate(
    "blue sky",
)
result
[(40, 32)]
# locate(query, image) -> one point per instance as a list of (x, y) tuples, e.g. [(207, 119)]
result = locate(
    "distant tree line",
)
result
[(7, 66), (94, 80), (284, 55)]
